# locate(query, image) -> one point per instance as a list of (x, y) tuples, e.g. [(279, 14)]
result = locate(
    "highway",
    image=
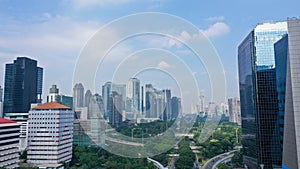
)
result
[(213, 162)]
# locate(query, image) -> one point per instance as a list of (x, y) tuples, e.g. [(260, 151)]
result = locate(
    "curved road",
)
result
[(213, 162)]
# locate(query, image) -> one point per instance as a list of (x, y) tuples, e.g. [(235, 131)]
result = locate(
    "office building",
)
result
[(53, 94), (23, 85), (87, 98), (9, 143), (133, 103), (78, 96), (65, 100), (21, 119), (258, 96), (234, 110), (50, 135), (176, 107), (291, 140), (106, 91), (167, 112), (115, 109)]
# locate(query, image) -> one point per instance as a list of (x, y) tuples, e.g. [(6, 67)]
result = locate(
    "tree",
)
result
[(223, 166)]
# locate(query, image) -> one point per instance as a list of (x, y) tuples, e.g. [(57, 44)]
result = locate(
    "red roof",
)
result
[(51, 105), (3, 121)]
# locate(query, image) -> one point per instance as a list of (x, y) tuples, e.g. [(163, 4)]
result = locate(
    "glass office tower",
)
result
[(23, 85), (258, 96)]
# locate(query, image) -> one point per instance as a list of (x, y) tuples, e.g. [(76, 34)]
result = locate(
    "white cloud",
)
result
[(217, 29), (164, 65), (215, 18), (79, 4)]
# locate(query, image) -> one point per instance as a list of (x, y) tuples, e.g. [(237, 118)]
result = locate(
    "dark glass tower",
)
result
[(281, 52), (258, 96), (23, 85)]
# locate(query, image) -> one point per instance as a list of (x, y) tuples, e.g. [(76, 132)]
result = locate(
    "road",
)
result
[(213, 162)]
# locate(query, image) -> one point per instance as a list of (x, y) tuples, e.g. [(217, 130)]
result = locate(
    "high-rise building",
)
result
[(133, 95), (115, 109), (87, 98), (9, 144), (50, 135), (202, 103), (281, 53), (288, 52), (23, 85), (78, 96), (65, 100), (234, 110), (53, 94), (258, 95), (39, 84), (106, 91), (168, 105), (176, 107)]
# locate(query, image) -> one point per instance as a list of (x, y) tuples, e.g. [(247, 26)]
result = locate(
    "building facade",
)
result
[(133, 102), (50, 134), (234, 110), (258, 95), (23, 85), (78, 96), (291, 141), (9, 143)]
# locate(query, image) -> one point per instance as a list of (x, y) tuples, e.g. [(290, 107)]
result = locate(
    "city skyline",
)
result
[(83, 19)]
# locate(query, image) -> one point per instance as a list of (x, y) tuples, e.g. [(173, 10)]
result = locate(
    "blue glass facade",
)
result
[(22, 80), (258, 93), (281, 52)]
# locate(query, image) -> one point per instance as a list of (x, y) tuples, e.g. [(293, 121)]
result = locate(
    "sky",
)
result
[(54, 32)]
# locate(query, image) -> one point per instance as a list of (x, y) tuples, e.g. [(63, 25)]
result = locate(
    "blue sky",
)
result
[(53, 32)]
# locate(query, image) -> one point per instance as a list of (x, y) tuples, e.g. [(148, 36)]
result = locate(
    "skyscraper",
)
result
[(106, 91), (258, 95), (176, 107), (281, 53), (115, 109), (87, 98), (168, 105), (291, 141), (133, 95), (234, 110), (78, 96), (23, 85)]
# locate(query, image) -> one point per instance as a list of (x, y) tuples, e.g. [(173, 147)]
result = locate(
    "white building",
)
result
[(50, 134), (9, 143), (234, 110), (20, 118)]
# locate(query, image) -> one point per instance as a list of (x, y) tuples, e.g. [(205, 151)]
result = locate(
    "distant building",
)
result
[(9, 144), (50, 134), (115, 109), (167, 116), (78, 95), (23, 85), (258, 95), (106, 91), (22, 120), (65, 100), (87, 98), (133, 95), (176, 107), (53, 94), (234, 110)]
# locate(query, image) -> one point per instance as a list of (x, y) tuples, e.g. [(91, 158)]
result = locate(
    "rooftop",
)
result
[(4, 121), (51, 105)]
